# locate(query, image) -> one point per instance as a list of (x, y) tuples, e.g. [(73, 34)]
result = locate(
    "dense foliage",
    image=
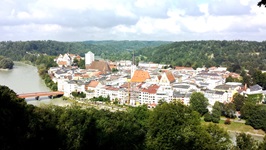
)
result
[(254, 115), (186, 53), (6, 63), (199, 103), (232, 54), (169, 126), (113, 50), (78, 94), (44, 62)]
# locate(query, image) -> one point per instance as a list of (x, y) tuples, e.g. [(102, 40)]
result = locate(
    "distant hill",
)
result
[(114, 50), (233, 54)]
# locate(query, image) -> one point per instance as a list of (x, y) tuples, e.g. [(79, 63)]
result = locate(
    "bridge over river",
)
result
[(38, 94)]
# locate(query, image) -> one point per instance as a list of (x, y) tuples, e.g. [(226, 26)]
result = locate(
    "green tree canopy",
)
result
[(6, 63), (216, 112), (199, 103), (238, 100)]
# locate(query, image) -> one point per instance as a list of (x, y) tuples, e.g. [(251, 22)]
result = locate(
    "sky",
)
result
[(163, 20)]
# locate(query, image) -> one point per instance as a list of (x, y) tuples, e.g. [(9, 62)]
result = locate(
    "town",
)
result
[(126, 83)]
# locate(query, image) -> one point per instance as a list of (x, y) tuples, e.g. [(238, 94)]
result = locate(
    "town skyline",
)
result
[(148, 20)]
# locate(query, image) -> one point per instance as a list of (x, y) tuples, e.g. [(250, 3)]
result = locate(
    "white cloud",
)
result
[(131, 19)]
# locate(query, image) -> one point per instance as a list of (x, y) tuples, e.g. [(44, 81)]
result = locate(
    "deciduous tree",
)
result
[(199, 103)]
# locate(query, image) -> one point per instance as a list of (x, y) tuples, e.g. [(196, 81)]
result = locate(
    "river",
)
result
[(24, 78)]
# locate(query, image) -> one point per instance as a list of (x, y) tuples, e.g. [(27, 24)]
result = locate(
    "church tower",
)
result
[(133, 65)]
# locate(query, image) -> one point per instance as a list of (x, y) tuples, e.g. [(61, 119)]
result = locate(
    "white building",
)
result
[(89, 57), (148, 95), (214, 96), (73, 86)]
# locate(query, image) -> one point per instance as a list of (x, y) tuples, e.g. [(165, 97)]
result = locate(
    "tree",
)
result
[(114, 70), (247, 110), (262, 145), (199, 103), (13, 120), (172, 126), (216, 112), (245, 142), (238, 100), (207, 117), (6, 63), (262, 2), (231, 79), (176, 126), (219, 138), (246, 79), (78, 94), (81, 64), (228, 110)]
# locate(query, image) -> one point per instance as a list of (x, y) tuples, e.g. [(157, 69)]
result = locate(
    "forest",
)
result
[(112, 50), (168, 126), (231, 54), (236, 55), (6, 63)]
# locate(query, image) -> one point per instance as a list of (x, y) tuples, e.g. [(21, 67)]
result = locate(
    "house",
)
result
[(185, 70), (66, 59), (183, 97), (166, 78), (229, 88), (102, 66), (140, 76), (255, 89), (184, 87), (148, 65), (164, 93), (73, 86), (90, 88), (148, 95), (214, 96)]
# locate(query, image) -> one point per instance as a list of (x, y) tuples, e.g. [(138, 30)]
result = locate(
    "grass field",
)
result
[(238, 127)]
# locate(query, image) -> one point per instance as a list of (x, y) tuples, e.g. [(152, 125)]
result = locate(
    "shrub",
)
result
[(227, 121), (207, 117)]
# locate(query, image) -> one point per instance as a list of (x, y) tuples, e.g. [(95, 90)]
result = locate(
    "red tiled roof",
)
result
[(111, 88), (170, 76), (85, 76), (100, 65), (212, 68), (153, 105), (183, 68), (159, 77), (93, 83), (140, 76), (77, 74), (151, 89), (125, 85), (62, 63)]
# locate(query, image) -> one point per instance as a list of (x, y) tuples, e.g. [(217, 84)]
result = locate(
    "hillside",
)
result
[(113, 50), (233, 54)]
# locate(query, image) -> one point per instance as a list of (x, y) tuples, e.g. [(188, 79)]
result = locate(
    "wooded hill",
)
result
[(232, 54), (113, 50)]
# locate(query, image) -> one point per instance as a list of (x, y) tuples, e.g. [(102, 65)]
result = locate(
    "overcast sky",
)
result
[(165, 20)]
